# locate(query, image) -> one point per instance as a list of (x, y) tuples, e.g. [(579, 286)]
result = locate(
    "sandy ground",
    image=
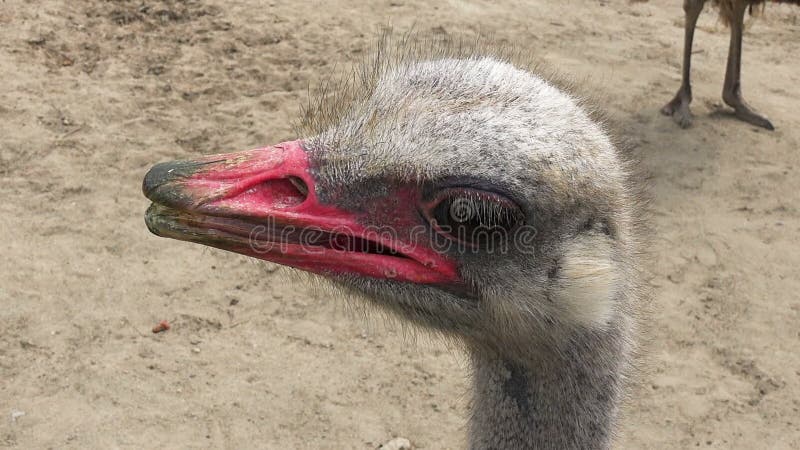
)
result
[(92, 93)]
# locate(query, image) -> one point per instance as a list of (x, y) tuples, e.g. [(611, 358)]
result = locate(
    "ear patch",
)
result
[(587, 281)]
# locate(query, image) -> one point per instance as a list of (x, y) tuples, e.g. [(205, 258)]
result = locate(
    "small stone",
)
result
[(195, 350), (161, 327), (398, 443), (16, 414)]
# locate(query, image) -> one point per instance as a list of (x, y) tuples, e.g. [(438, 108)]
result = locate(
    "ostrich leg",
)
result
[(732, 90), (678, 107)]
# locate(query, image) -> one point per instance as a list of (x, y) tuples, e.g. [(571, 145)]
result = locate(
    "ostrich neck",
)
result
[(564, 401)]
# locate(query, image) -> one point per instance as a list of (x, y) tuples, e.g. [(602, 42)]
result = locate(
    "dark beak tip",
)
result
[(164, 184), (150, 219), (169, 172), (157, 175)]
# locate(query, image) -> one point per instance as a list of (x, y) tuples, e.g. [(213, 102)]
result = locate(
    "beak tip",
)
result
[(155, 177), (150, 219), (169, 172)]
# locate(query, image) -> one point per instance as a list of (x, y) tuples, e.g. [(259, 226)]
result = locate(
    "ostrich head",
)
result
[(462, 193), (465, 195)]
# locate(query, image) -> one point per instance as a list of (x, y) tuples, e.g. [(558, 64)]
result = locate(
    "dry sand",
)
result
[(92, 93)]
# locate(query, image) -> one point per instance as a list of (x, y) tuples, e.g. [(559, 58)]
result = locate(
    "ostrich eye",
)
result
[(473, 217)]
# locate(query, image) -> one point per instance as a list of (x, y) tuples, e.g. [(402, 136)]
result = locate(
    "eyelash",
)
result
[(467, 215)]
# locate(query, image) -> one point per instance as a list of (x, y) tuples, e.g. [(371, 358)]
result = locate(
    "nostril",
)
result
[(300, 185), (277, 193)]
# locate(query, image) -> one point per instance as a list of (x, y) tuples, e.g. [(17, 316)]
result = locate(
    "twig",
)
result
[(128, 322), (70, 133)]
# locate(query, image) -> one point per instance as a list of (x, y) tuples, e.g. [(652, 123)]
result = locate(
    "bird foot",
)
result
[(678, 109), (744, 112)]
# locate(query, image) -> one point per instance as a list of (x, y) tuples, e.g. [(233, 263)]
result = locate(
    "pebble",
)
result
[(398, 443), (16, 414)]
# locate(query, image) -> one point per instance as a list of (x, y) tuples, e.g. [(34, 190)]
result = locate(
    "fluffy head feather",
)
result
[(442, 112)]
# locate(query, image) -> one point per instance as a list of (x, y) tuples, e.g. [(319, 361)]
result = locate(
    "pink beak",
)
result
[(263, 203)]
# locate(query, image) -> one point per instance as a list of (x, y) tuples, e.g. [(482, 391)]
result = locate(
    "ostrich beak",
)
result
[(263, 203)]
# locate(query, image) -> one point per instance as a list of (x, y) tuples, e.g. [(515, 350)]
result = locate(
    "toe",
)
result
[(755, 119)]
